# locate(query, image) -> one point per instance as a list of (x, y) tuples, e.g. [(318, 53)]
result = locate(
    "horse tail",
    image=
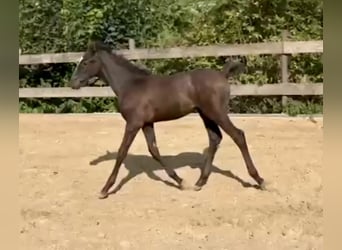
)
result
[(233, 68)]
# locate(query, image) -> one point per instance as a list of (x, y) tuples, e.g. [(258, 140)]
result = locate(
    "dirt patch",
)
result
[(59, 186)]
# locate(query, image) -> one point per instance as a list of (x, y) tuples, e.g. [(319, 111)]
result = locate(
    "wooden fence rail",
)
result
[(236, 90), (284, 48)]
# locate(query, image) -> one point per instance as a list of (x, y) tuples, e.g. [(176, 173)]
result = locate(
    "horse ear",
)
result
[(92, 47), (95, 46), (237, 68), (233, 68)]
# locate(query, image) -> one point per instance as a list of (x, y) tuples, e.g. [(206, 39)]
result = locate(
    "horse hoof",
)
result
[(197, 188), (103, 195), (269, 187), (185, 186), (264, 186)]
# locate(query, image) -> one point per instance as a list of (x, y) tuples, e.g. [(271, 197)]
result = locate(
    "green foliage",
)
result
[(64, 26)]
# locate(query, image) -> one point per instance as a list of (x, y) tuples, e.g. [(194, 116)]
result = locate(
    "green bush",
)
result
[(48, 26)]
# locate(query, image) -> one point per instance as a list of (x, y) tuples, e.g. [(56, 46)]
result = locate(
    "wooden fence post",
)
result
[(131, 44), (284, 67)]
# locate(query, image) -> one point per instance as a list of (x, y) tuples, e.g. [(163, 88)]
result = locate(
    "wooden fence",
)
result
[(283, 48)]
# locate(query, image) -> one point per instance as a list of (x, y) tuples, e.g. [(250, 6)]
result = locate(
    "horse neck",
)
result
[(115, 75)]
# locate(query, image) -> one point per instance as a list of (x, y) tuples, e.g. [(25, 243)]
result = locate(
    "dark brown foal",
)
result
[(145, 99)]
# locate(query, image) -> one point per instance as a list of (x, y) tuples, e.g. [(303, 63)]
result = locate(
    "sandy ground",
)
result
[(59, 186)]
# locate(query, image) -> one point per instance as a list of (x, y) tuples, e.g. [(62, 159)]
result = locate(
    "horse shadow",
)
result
[(139, 164)]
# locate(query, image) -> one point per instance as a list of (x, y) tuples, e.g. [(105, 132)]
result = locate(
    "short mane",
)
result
[(121, 60), (133, 68)]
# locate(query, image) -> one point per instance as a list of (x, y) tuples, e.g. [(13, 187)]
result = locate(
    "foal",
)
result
[(145, 98)]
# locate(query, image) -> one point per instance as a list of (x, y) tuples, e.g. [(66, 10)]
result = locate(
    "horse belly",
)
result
[(169, 108)]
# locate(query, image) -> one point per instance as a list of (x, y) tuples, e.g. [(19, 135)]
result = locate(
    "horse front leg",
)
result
[(131, 131)]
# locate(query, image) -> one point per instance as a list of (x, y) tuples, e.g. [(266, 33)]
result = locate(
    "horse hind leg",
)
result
[(215, 137), (238, 136), (215, 110)]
